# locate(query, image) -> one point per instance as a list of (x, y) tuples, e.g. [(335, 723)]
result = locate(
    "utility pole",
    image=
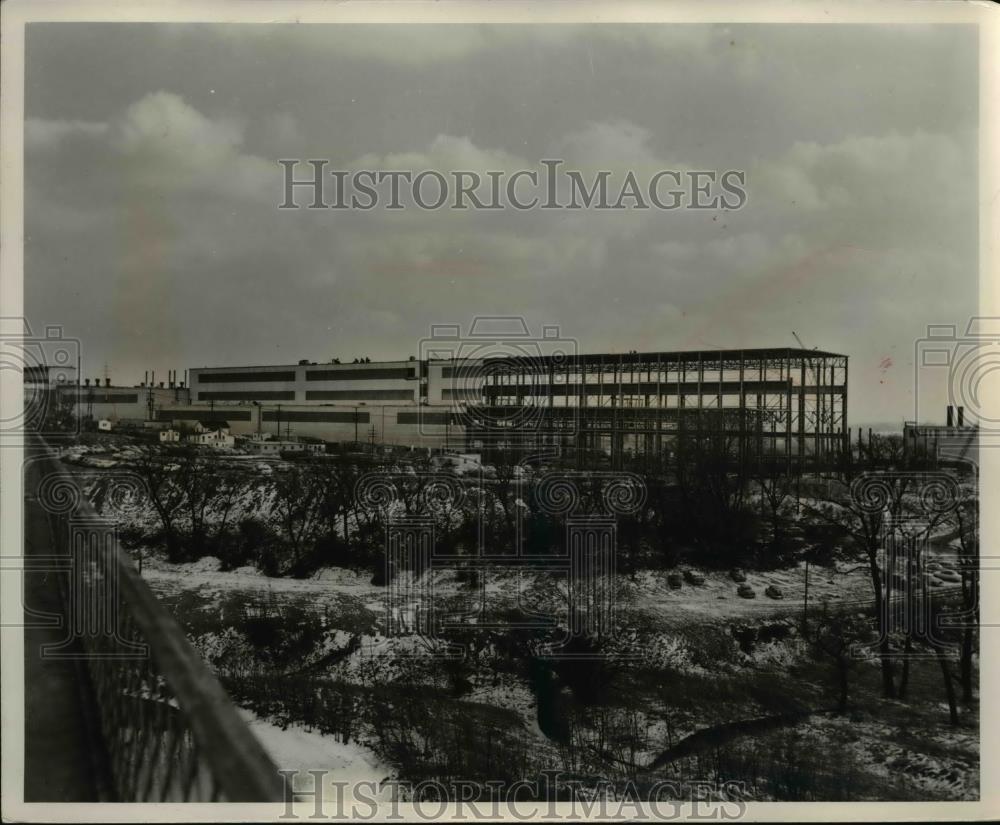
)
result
[(805, 604), (76, 404)]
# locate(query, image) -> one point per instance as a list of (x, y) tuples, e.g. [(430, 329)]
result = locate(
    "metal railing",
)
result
[(168, 728)]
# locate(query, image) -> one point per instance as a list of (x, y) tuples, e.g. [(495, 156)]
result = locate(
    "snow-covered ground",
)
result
[(296, 748)]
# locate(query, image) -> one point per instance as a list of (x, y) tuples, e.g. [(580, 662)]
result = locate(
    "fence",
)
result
[(169, 731)]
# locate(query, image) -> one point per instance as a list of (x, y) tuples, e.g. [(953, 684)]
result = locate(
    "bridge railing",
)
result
[(168, 729)]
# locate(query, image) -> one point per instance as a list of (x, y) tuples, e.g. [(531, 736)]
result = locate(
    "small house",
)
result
[(211, 425)]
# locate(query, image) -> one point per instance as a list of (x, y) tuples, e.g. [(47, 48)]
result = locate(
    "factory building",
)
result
[(406, 403), (409, 425), (788, 404), (781, 406), (390, 383), (955, 442), (135, 405)]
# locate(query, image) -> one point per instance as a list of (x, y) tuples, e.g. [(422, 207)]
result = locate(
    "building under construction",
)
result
[(781, 406)]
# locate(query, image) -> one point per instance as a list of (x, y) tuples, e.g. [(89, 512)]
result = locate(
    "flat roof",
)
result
[(706, 355), (588, 358), (311, 364)]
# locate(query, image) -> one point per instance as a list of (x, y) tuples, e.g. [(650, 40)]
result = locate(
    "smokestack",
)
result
[(145, 378), (107, 382), (951, 416), (86, 382), (961, 416)]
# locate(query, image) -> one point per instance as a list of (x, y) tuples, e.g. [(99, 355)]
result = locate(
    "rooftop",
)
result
[(587, 358)]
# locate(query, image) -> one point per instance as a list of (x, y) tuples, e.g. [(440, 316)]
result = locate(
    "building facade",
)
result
[(789, 404)]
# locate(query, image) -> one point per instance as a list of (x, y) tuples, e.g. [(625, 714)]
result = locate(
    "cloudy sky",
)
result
[(152, 182)]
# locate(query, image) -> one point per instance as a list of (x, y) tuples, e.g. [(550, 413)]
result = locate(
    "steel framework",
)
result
[(782, 405)]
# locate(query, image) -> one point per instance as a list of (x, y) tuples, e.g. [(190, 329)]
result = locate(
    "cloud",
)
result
[(163, 143), (41, 134), (911, 184)]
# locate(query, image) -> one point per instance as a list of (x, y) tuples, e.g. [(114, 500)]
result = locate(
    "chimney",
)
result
[(86, 382), (161, 385), (107, 382), (951, 416), (961, 416)]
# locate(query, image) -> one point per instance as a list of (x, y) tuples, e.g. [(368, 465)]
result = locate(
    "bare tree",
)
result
[(964, 518), (296, 506), (157, 467), (834, 636), (776, 490), (864, 515)]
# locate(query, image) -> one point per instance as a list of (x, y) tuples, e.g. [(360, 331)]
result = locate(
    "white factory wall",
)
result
[(397, 382), (400, 425)]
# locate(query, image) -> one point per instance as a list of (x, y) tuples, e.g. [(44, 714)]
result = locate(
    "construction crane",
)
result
[(810, 361), (799, 340)]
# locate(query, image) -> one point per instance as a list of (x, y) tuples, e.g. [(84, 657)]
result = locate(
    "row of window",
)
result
[(248, 377), (311, 395), (311, 416), (317, 416), (109, 398), (170, 414), (248, 395), (275, 376), (423, 417)]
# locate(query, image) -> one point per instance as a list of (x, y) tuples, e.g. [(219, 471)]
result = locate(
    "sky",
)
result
[(152, 182)]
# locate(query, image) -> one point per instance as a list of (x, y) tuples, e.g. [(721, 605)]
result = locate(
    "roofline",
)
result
[(651, 356)]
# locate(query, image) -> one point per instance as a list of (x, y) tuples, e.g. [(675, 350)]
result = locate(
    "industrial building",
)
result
[(956, 442), (95, 400), (786, 404), (782, 405)]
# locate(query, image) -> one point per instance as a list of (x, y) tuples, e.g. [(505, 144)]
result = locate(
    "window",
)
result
[(248, 395), (439, 418), (319, 416), (359, 395), (244, 377)]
